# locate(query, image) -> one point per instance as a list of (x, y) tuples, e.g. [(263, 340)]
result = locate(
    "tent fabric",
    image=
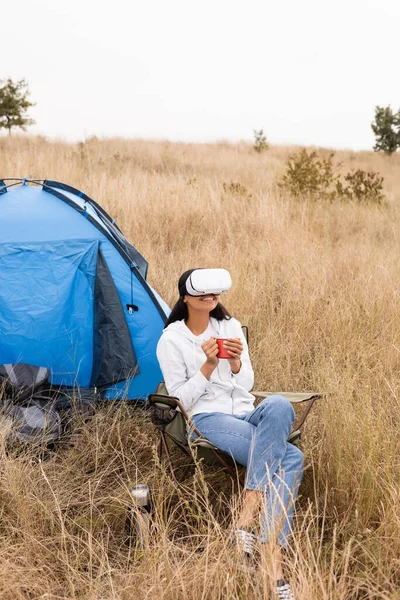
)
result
[(99, 218), (66, 280), (100, 214), (46, 307), (114, 358)]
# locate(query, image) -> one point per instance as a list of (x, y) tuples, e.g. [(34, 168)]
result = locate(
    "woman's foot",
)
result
[(244, 541), (283, 591)]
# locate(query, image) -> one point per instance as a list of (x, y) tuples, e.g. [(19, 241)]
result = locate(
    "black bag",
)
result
[(28, 415), (21, 381), (36, 412), (37, 423)]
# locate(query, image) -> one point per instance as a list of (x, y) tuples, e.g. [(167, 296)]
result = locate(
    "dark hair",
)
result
[(180, 311)]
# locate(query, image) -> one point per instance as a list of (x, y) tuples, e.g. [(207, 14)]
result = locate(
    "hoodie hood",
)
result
[(180, 328)]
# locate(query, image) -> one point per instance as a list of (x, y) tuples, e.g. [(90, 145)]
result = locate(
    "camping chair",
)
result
[(175, 424)]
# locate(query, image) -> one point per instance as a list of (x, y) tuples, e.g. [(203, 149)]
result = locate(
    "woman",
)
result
[(216, 394)]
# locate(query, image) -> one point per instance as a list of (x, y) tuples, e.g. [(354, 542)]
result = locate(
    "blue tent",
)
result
[(73, 292)]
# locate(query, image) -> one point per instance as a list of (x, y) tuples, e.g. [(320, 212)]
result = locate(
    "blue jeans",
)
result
[(258, 441)]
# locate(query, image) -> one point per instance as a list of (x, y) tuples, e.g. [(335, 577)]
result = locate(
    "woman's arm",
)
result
[(173, 367), (245, 376)]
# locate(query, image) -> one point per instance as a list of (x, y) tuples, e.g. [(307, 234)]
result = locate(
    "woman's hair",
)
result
[(180, 311)]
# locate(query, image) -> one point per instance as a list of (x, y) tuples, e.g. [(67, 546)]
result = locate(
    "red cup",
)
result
[(222, 352)]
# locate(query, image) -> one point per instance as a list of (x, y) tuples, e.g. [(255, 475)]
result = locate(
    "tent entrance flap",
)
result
[(114, 358), (46, 307)]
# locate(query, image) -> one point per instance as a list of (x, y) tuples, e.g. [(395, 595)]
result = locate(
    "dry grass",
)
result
[(319, 287)]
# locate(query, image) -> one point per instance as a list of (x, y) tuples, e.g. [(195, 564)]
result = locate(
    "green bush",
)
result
[(363, 186), (235, 188), (386, 128), (260, 141), (309, 175)]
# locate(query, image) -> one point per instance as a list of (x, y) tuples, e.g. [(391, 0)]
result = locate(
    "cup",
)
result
[(222, 352), (141, 496), (138, 520)]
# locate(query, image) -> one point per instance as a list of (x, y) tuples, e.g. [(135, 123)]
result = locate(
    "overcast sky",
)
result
[(307, 71)]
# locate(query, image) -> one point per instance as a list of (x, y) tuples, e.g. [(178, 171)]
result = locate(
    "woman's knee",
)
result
[(280, 406)]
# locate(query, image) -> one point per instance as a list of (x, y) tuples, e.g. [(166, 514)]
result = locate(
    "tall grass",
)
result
[(318, 285)]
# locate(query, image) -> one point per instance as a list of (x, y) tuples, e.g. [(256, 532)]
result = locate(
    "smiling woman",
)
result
[(188, 348), (216, 394)]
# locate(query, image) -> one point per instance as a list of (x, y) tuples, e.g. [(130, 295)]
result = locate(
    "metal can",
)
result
[(139, 516), (141, 496)]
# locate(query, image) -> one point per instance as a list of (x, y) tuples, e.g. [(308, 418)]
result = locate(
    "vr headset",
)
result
[(208, 281)]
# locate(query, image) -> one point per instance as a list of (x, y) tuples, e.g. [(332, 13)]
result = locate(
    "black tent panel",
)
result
[(114, 357)]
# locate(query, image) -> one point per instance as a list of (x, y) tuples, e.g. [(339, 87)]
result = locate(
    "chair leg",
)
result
[(226, 467), (160, 448), (309, 406), (186, 471), (164, 445)]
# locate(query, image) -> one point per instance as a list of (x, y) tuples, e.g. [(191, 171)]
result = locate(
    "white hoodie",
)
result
[(180, 356)]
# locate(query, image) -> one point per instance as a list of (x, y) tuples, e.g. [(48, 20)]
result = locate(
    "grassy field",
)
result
[(318, 285)]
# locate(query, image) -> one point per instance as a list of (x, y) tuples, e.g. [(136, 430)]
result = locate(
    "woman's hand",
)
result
[(210, 349), (234, 347)]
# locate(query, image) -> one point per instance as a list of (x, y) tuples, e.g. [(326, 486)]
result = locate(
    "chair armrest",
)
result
[(169, 401), (294, 397), (163, 399), (173, 402), (204, 443)]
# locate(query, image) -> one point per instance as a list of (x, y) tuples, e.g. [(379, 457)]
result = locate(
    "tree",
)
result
[(386, 128), (260, 141), (14, 104)]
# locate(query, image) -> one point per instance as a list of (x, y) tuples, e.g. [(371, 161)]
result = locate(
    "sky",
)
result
[(308, 72)]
